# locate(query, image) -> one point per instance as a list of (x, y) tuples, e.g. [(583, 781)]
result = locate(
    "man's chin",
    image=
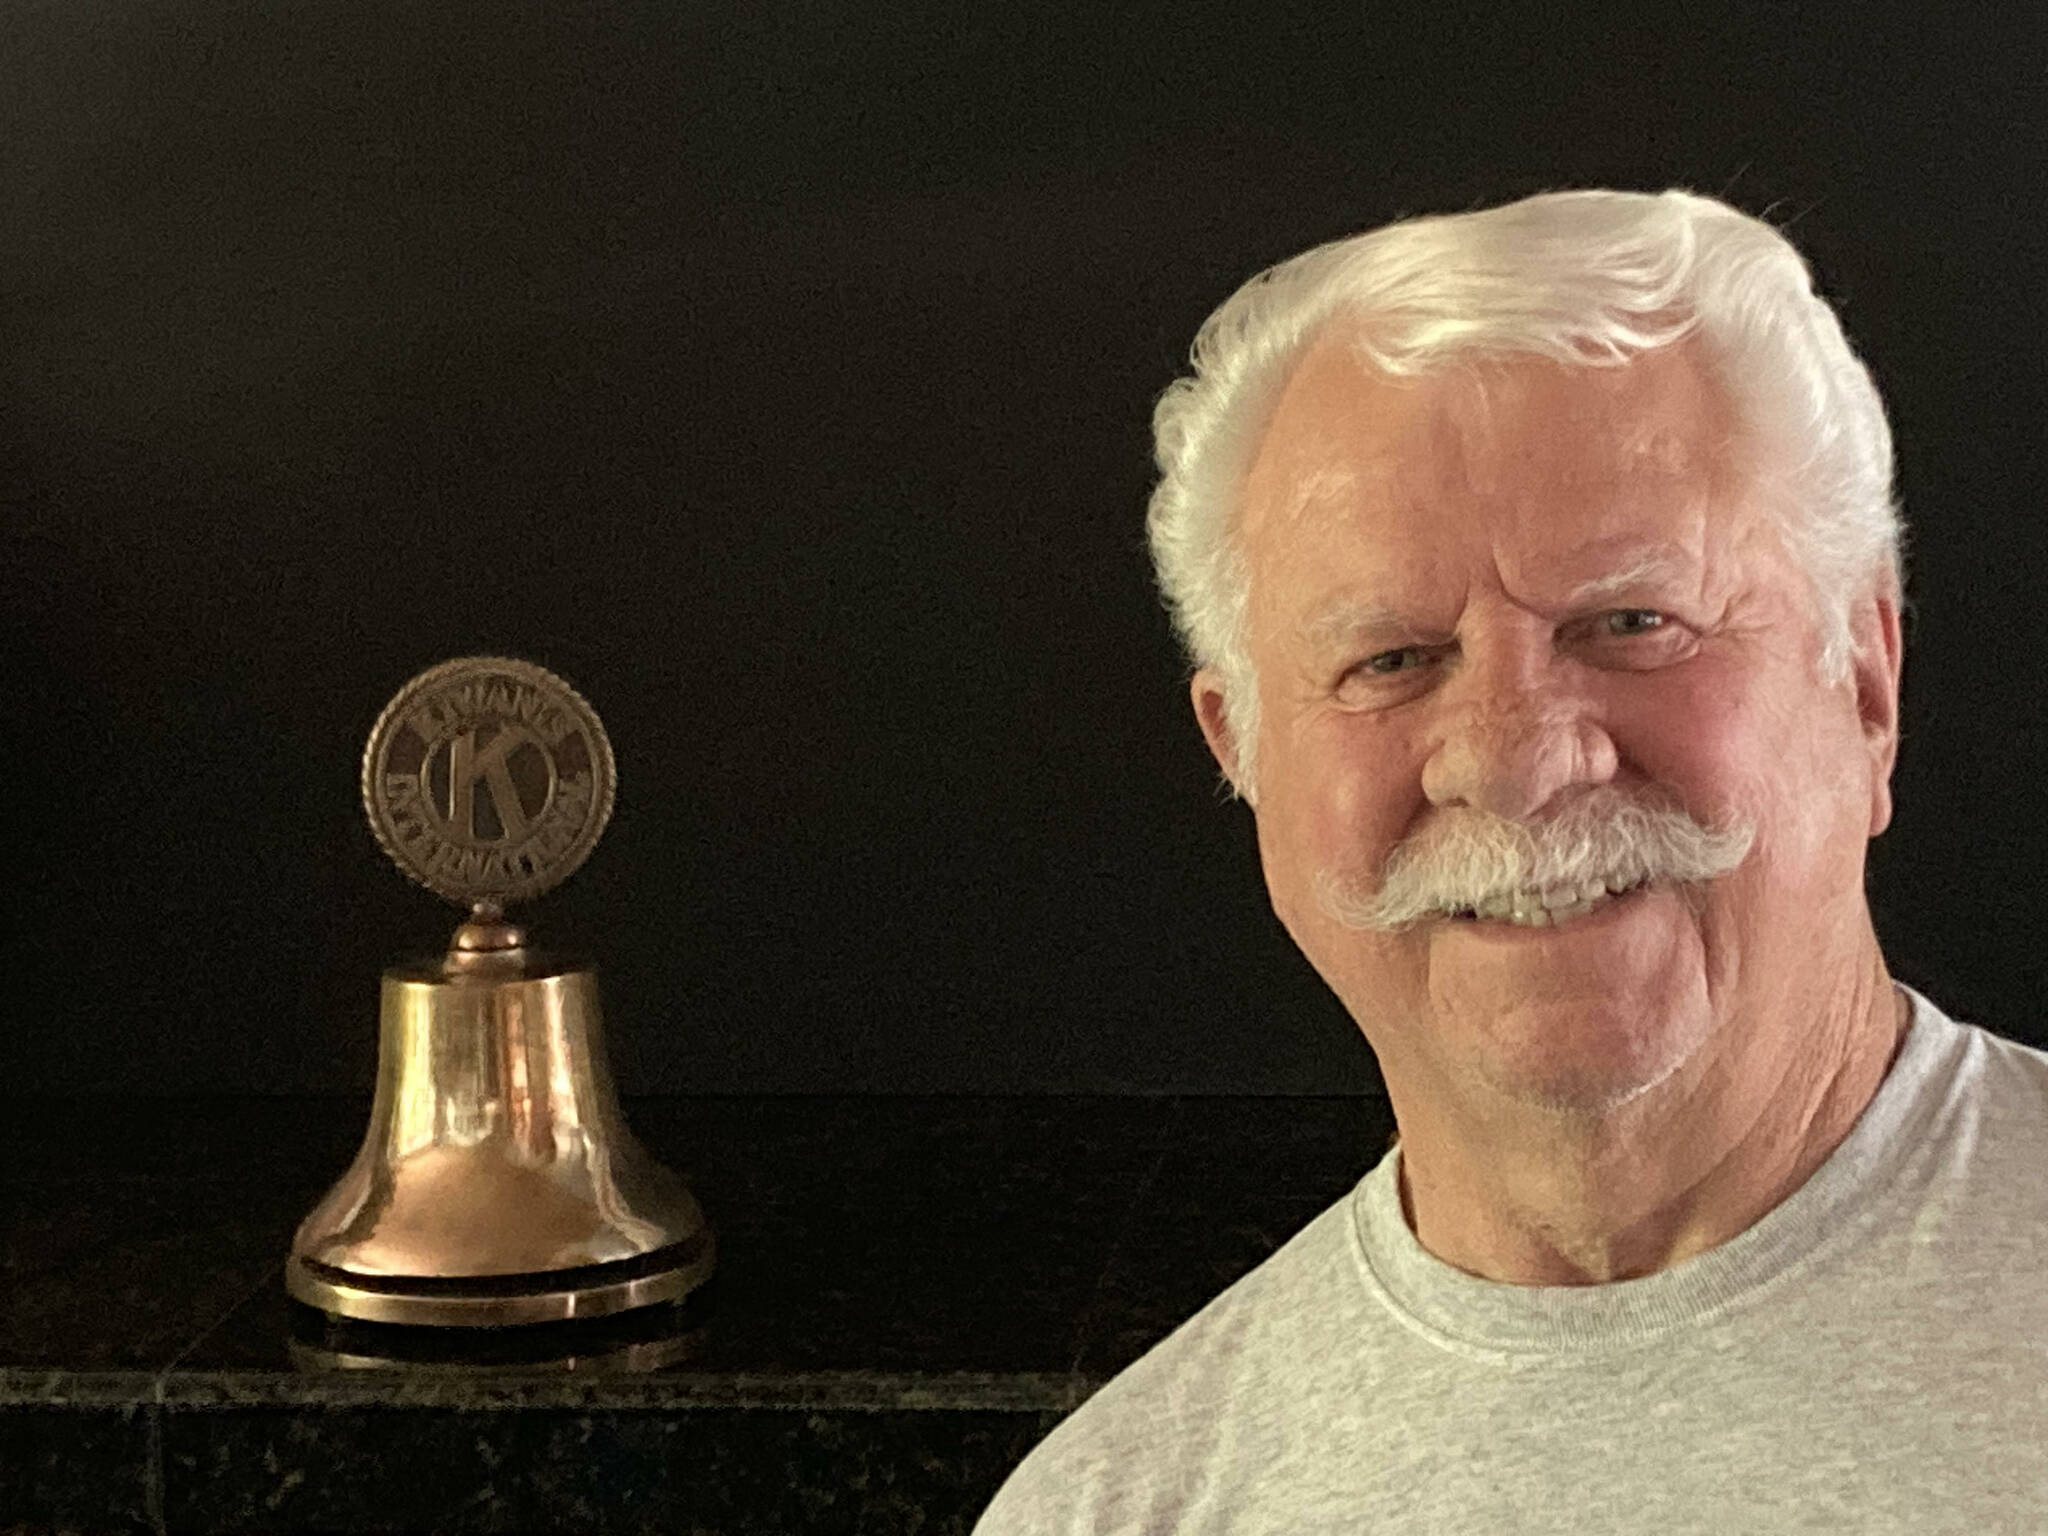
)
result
[(1583, 1061)]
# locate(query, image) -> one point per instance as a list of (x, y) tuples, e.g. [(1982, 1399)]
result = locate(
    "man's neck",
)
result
[(1548, 1199)]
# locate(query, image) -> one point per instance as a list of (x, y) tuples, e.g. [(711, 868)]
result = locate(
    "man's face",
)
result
[(1492, 591)]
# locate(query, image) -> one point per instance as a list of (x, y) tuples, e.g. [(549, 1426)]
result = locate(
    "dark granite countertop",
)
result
[(910, 1292)]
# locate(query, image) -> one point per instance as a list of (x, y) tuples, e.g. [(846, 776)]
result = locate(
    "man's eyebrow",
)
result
[(1344, 617), (1646, 568)]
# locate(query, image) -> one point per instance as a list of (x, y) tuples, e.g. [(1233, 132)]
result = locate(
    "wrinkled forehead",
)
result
[(1522, 429)]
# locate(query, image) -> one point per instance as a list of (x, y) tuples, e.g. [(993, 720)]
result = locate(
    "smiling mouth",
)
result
[(1549, 907)]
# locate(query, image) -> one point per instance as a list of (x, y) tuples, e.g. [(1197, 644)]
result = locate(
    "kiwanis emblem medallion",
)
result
[(488, 780)]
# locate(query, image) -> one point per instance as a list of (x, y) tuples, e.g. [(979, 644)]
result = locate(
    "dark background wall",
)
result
[(781, 376)]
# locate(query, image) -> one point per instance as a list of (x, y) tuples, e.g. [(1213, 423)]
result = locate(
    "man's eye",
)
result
[(1386, 663), (1633, 621)]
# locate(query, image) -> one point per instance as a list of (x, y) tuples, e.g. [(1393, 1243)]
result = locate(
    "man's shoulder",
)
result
[(2012, 1072), (1976, 1080), (1983, 1123), (1225, 1382)]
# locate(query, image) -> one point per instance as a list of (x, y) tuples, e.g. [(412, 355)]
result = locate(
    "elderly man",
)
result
[(1541, 574)]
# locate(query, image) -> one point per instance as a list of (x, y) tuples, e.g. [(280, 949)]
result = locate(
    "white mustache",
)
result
[(1466, 857)]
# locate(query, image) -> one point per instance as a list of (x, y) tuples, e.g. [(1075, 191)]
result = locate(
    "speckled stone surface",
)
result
[(910, 1293)]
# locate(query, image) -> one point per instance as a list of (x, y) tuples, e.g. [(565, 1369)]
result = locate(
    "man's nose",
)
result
[(1517, 736)]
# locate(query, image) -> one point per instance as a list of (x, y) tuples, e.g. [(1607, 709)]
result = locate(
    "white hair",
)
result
[(1587, 278)]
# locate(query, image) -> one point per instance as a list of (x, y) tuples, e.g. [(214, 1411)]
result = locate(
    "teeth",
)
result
[(1555, 904)]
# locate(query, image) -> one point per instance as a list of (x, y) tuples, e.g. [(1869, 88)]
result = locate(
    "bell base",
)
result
[(499, 1301)]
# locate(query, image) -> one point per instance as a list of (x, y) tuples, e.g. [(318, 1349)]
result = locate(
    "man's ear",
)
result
[(1877, 650), (1206, 689)]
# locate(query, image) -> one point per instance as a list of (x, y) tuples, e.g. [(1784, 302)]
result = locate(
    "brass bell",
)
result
[(498, 1182)]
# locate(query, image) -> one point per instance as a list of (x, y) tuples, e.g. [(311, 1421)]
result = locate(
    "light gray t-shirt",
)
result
[(1871, 1356)]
